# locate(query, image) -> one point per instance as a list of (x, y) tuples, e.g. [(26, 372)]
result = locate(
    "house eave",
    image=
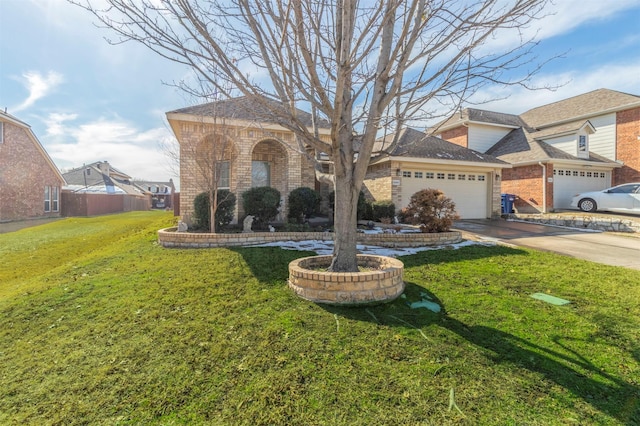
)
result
[(232, 122), (557, 161), (446, 162), (591, 115)]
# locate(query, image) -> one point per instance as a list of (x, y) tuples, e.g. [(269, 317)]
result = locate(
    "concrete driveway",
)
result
[(601, 247)]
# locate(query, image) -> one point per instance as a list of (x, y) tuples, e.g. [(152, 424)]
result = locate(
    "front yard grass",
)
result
[(100, 325)]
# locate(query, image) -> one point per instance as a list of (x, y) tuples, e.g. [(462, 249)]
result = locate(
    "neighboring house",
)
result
[(250, 149), (254, 151), (587, 142), (30, 182), (161, 193), (417, 161), (98, 188)]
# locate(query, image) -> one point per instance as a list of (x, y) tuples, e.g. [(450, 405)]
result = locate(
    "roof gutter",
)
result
[(444, 161)]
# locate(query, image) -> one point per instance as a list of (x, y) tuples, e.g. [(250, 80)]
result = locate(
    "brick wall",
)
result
[(458, 136), (289, 168), (24, 173), (526, 183), (628, 146), (377, 183)]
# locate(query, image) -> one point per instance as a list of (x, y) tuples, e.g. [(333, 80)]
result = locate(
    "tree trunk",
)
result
[(345, 215), (345, 227)]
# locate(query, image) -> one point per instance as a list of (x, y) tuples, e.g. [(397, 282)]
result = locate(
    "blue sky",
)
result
[(87, 100)]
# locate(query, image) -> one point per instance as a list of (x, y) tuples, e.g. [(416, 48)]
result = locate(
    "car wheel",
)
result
[(587, 205)]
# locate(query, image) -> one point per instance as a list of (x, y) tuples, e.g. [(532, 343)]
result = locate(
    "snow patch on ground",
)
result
[(326, 247)]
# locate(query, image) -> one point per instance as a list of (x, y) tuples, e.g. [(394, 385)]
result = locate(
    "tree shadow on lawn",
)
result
[(605, 392)]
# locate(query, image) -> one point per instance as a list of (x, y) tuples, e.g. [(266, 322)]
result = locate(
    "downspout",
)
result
[(544, 186)]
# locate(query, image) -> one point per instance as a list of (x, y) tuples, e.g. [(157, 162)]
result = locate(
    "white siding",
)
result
[(567, 143), (603, 141), (482, 137)]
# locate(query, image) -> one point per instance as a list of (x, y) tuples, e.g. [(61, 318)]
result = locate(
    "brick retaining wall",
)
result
[(583, 221), (168, 237)]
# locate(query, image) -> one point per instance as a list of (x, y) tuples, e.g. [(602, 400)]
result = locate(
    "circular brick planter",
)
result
[(380, 285)]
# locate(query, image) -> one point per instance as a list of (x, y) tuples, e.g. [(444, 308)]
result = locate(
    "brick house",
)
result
[(252, 150), (416, 161), (584, 143), (249, 149), (30, 183)]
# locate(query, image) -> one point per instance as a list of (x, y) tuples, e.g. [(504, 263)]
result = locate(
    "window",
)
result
[(440, 175), (588, 174), (417, 175), (1, 132), (47, 198), (581, 174), (575, 173), (55, 198), (561, 172), (406, 174), (222, 174), (582, 144), (472, 177), (461, 177), (429, 175), (451, 176), (625, 189), (602, 175), (260, 173), (481, 178)]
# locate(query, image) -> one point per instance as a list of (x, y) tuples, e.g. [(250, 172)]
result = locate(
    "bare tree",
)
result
[(213, 152), (364, 67)]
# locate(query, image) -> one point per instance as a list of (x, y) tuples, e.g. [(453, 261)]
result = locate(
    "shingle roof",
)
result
[(247, 108), (520, 146), (570, 127), (96, 179), (413, 143), (480, 116), (591, 103)]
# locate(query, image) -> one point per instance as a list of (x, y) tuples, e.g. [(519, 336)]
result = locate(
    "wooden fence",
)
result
[(87, 204)]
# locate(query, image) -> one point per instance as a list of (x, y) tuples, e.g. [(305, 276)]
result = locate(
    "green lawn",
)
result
[(100, 325)]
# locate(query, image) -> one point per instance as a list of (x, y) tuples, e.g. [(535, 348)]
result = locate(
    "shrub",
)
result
[(431, 210), (364, 207), (224, 212), (262, 203), (303, 202), (383, 209)]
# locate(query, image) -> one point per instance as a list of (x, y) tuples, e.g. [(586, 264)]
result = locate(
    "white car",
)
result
[(622, 198)]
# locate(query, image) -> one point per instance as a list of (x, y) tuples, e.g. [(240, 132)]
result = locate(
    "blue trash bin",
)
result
[(507, 203)]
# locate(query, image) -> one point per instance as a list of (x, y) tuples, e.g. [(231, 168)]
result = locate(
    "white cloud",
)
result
[(622, 77), (38, 86), (565, 15), (127, 148)]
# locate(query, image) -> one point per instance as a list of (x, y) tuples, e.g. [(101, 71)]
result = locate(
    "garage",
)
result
[(468, 190), (568, 182)]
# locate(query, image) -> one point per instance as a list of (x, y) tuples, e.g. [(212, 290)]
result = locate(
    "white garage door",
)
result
[(467, 190), (568, 182)]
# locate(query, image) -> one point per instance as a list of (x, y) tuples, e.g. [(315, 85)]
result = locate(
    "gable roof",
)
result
[(520, 146), (415, 144), (583, 106), (564, 129), (100, 177), (475, 115), (6, 117), (247, 108)]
